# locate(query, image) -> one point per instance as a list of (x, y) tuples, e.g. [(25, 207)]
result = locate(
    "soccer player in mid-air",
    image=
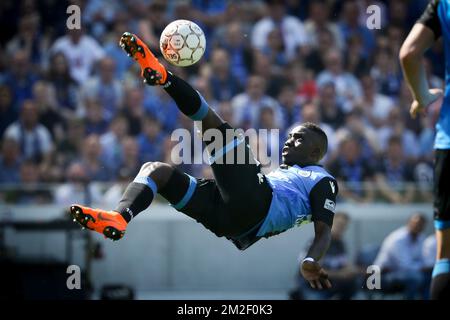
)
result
[(240, 203), (433, 24)]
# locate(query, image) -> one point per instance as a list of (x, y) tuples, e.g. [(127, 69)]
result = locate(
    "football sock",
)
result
[(440, 284), (188, 100), (137, 197)]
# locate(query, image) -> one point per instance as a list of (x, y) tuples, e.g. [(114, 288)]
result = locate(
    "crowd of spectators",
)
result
[(73, 107)]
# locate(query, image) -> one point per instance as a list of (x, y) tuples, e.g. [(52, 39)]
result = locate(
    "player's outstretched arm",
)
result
[(411, 54), (310, 268)]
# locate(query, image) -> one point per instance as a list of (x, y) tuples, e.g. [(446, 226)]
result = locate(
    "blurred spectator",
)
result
[(49, 117), (64, 86), (330, 107), (105, 89), (28, 39), (20, 78), (99, 14), (133, 109), (292, 29), (34, 139), (396, 126), (95, 117), (275, 49), (353, 172), (247, 105), (8, 114), (130, 163), (29, 192), (114, 51), (224, 84), (77, 189), (81, 50), (235, 43), (342, 272), (395, 174), (347, 86), (355, 60), (150, 140), (290, 105), (386, 72), (376, 106), (95, 166), (152, 23), (363, 132), (318, 20), (314, 58), (10, 161), (160, 105), (400, 258), (274, 77), (71, 145), (350, 25), (111, 141)]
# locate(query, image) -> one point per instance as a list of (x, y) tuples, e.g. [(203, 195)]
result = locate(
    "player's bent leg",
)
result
[(137, 197)]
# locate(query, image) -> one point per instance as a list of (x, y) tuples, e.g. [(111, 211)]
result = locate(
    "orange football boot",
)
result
[(152, 70), (109, 223)]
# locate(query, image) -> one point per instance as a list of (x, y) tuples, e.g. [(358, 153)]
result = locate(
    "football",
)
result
[(182, 43)]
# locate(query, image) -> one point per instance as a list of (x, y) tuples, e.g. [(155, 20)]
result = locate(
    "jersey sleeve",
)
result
[(430, 18), (323, 200)]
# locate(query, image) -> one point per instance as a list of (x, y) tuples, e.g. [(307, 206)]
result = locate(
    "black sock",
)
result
[(136, 198), (440, 284), (188, 100)]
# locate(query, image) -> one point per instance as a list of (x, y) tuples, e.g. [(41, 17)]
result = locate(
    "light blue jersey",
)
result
[(299, 198), (437, 18)]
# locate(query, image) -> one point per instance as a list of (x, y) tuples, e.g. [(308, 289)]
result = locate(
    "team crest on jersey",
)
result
[(304, 173)]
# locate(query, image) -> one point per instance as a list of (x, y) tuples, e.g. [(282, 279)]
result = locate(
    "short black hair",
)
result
[(322, 137)]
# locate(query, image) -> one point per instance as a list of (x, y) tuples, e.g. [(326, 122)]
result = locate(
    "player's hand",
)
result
[(315, 275), (433, 102)]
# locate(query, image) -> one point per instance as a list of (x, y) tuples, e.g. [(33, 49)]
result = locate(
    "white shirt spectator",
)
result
[(81, 56), (109, 95), (429, 251), (347, 86), (69, 193), (244, 108), (381, 106), (409, 140), (37, 141), (400, 253), (292, 29)]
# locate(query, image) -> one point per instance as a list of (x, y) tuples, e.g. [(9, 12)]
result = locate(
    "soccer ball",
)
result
[(182, 43)]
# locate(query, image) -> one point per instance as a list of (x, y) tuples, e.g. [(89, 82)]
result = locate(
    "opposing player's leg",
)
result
[(154, 177), (440, 284)]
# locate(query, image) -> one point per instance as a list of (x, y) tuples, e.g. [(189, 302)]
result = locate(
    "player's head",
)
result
[(416, 223), (306, 145)]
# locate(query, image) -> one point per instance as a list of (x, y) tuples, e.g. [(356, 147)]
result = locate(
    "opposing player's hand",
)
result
[(315, 275), (432, 102)]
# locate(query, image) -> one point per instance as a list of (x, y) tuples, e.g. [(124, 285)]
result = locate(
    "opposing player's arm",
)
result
[(421, 37), (323, 202)]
